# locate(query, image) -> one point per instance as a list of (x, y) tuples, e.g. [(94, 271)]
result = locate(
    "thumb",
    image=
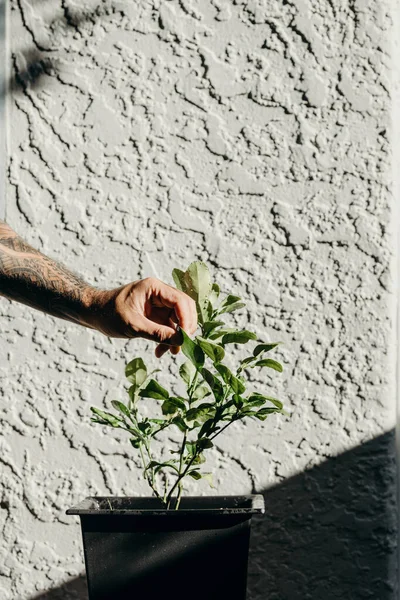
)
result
[(163, 334)]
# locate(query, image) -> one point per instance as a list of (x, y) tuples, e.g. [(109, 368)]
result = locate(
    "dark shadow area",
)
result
[(37, 60), (76, 589), (329, 533)]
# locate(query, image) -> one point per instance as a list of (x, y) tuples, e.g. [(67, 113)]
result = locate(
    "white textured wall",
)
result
[(254, 135)]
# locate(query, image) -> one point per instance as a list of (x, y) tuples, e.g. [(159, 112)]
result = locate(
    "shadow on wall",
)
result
[(75, 589), (329, 533), (36, 60)]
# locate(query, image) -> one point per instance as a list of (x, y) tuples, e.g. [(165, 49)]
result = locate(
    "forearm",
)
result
[(28, 276), (145, 308)]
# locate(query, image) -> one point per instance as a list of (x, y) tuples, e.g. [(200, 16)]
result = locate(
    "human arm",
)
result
[(145, 308)]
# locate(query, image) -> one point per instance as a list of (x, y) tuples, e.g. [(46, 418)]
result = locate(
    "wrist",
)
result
[(101, 311)]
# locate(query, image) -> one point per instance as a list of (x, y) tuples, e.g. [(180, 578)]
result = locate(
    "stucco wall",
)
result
[(256, 136)]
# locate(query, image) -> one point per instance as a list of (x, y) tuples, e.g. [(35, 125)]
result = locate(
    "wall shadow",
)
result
[(328, 533), (76, 589)]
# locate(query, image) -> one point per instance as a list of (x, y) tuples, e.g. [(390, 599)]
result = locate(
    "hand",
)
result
[(146, 308)]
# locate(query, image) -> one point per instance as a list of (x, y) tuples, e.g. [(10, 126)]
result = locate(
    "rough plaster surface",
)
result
[(254, 135)]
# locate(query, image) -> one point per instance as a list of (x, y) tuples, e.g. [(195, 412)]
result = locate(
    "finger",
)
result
[(174, 325), (161, 349), (163, 334), (183, 305)]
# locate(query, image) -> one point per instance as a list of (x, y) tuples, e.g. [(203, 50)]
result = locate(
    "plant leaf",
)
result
[(264, 348), (144, 426), (209, 478), (198, 286), (214, 335), (214, 295), (180, 423), (263, 413), (211, 325), (136, 372), (214, 383), (179, 279), (121, 408), (234, 383), (238, 401), (239, 337), (154, 390), (192, 351), (195, 474), (204, 444), (191, 448), (256, 396), (206, 428), (269, 362), (172, 405), (158, 466), (254, 402), (201, 413), (201, 392), (230, 304), (246, 363), (187, 371), (105, 418), (135, 442), (215, 352)]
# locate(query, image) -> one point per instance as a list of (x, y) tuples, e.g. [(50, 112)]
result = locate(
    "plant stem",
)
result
[(193, 386), (179, 496), (180, 466), (223, 429), (149, 481), (147, 446), (182, 452), (169, 497)]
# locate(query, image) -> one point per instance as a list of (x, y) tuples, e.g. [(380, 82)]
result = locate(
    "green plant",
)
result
[(215, 395)]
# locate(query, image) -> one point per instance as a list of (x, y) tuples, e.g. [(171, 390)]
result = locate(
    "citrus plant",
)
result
[(214, 397)]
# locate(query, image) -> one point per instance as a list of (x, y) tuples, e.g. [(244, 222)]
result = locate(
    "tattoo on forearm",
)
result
[(29, 277)]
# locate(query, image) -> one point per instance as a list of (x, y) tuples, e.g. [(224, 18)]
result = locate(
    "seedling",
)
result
[(214, 397)]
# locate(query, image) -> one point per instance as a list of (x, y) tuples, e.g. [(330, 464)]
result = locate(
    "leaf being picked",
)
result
[(179, 279), (196, 283)]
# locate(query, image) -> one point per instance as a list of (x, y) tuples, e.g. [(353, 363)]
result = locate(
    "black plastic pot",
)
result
[(136, 549)]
